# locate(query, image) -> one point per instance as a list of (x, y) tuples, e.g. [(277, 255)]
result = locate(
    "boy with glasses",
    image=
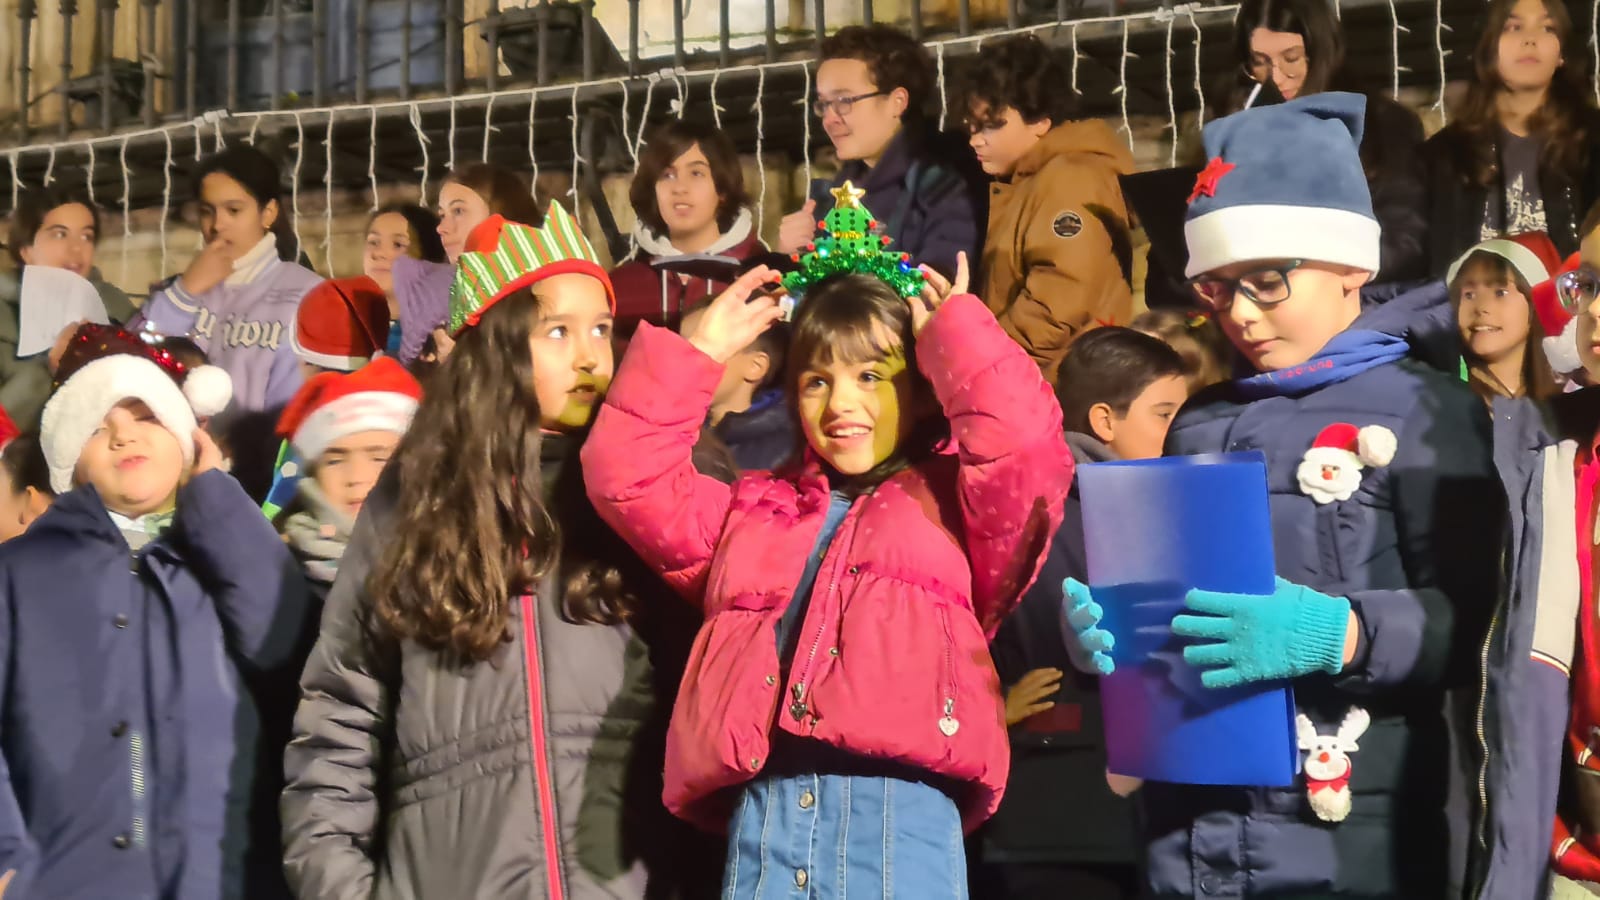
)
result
[(1387, 519), (873, 85)]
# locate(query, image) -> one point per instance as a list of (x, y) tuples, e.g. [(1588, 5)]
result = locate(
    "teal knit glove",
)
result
[(1088, 645), (1295, 631)]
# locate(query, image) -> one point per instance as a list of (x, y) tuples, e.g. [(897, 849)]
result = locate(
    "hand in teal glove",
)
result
[(1087, 644), (1248, 637)]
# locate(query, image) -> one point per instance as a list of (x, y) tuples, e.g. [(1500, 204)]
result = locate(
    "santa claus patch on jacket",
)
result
[(1333, 467)]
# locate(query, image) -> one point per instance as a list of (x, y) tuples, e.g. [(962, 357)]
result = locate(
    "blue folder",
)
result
[(1153, 530)]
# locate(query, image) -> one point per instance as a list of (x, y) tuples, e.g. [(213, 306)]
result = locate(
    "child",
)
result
[(748, 413), (27, 492), (1119, 391), (142, 613), (689, 198), (1387, 527), (1057, 257), (238, 299), (59, 228), (1491, 288), (403, 250), (1207, 355), (844, 735), (346, 427), (480, 587), (340, 326)]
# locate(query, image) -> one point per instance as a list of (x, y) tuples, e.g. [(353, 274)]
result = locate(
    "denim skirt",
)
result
[(838, 836)]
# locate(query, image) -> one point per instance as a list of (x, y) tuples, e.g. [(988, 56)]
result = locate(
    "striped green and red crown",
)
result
[(503, 257)]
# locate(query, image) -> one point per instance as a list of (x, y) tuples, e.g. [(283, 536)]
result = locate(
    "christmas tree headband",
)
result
[(503, 257), (851, 241)]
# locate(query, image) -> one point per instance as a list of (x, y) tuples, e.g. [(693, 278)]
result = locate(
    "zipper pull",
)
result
[(798, 709), (948, 724)]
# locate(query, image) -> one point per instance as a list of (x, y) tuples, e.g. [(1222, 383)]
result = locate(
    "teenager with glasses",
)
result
[(1386, 517), (1297, 47), (873, 86)]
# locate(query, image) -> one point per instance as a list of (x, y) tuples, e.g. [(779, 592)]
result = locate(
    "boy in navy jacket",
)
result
[(1387, 522), (140, 618)]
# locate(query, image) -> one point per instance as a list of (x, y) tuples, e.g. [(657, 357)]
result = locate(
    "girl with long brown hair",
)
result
[(1518, 156), (479, 710)]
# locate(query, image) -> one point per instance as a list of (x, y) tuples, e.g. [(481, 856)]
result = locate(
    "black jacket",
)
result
[(762, 437), (1456, 206), (1057, 808)]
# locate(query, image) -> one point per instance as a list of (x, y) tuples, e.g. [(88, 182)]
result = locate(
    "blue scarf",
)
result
[(1346, 356)]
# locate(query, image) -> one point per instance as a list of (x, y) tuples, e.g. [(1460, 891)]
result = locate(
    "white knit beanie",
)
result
[(79, 406)]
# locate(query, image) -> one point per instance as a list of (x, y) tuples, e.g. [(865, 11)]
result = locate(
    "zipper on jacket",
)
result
[(798, 708), (136, 776), (948, 723), (543, 786), (1480, 873)]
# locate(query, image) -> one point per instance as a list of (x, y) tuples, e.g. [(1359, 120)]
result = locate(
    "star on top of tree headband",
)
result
[(852, 241)]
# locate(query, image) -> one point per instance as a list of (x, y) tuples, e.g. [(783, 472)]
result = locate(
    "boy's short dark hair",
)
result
[(1113, 366), (24, 462), (32, 208), (774, 342), (672, 140), (186, 351), (1021, 73), (895, 59)]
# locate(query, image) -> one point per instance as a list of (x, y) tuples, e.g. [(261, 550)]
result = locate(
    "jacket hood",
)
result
[(1420, 314), (660, 245), (1086, 138), (1086, 449)]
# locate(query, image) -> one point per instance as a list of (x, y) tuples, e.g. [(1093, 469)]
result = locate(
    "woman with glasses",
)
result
[(872, 87), (1387, 519), (1519, 155), (1294, 48)]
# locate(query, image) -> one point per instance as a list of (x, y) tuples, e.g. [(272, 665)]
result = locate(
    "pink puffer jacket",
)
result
[(893, 659)]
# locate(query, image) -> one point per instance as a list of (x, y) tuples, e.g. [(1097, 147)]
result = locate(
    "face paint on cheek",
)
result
[(587, 393)]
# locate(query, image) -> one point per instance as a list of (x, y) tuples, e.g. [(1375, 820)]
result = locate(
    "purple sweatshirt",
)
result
[(423, 292), (244, 324)]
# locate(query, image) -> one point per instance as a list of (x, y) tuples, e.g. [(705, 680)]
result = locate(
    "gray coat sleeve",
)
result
[(342, 731)]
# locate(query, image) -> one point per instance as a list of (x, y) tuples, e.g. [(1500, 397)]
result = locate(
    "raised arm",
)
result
[(1006, 425), (637, 462)]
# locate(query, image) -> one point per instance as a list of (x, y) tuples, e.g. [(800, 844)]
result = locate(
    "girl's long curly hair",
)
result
[(475, 525)]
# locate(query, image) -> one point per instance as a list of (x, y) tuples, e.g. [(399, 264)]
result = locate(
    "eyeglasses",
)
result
[(842, 105), (1578, 289), (1265, 288)]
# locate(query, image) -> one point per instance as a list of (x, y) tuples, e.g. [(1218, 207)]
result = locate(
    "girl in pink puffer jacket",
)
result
[(840, 715)]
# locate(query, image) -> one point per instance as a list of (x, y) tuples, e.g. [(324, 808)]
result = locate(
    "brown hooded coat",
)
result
[(1057, 257)]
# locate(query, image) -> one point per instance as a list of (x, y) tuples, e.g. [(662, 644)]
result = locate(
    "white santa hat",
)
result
[(81, 403), (381, 396), (1373, 445)]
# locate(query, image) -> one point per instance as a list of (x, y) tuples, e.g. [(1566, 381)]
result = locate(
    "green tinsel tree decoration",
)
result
[(851, 243)]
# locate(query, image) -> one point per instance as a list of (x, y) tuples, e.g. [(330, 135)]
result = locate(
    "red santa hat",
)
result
[(342, 324), (1531, 255), (1560, 325), (104, 366), (8, 429), (1373, 445), (383, 396)]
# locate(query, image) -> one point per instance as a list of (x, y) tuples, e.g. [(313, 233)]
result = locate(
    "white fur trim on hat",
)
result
[(353, 414), (326, 360), (209, 389), (1562, 349), (1247, 233), (79, 406), (1525, 261), (1376, 445)]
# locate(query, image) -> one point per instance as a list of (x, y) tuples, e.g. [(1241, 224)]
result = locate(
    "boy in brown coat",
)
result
[(1056, 259)]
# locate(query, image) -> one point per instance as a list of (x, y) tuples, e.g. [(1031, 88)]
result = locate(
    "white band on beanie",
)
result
[(1525, 261), (1252, 232), (353, 414), (78, 407)]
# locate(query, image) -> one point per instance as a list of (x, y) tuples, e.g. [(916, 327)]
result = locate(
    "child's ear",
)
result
[(34, 504), (1103, 422), (756, 367)]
